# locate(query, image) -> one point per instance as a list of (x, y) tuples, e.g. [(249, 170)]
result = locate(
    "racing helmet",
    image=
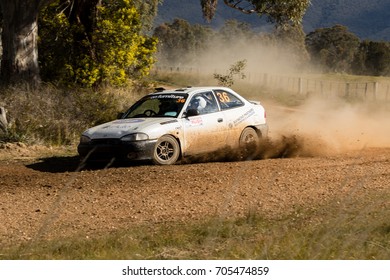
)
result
[(199, 103)]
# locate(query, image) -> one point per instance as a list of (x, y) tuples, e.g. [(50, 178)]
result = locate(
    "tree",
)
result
[(19, 41), (378, 59), (20, 33), (290, 39), (234, 70), (176, 40), (280, 12), (372, 58), (333, 48), (287, 16), (240, 31), (94, 42), (181, 42), (148, 11)]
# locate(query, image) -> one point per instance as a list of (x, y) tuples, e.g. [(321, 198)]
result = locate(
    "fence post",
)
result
[(376, 84), (347, 89), (300, 86), (365, 91), (265, 79)]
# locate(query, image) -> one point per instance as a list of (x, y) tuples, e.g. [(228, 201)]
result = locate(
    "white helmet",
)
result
[(201, 103)]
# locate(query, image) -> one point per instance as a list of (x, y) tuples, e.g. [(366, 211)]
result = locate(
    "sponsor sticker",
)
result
[(243, 117), (129, 121), (167, 96), (195, 121)]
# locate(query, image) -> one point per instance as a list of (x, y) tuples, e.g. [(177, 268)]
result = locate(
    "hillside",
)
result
[(366, 19)]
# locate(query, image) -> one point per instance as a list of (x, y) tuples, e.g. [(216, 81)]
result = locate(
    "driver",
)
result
[(198, 103)]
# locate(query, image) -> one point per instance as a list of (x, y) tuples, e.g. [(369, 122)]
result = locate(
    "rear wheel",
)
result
[(166, 151), (249, 143)]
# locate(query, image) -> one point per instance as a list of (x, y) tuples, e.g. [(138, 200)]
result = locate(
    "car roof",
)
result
[(189, 89)]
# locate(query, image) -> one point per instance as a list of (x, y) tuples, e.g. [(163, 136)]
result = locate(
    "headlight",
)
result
[(84, 139), (135, 137)]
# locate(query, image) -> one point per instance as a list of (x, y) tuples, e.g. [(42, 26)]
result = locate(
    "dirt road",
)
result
[(48, 198)]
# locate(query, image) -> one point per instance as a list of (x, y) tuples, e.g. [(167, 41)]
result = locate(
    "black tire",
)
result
[(249, 143), (166, 151)]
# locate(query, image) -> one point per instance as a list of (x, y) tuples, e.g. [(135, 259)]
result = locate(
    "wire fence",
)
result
[(370, 90)]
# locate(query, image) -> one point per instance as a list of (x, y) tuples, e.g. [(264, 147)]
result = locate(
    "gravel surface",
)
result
[(49, 198)]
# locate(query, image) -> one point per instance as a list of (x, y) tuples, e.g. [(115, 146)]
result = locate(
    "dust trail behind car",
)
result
[(325, 127)]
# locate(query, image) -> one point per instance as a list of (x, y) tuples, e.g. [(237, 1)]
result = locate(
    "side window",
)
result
[(227, 100), (204, 102)]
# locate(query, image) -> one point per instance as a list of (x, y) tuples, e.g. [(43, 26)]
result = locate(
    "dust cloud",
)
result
[(327, 126), (260, 59), (321, 126)]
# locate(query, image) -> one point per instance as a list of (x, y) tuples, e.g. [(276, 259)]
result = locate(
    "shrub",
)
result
[(49, 115), (101, 44)]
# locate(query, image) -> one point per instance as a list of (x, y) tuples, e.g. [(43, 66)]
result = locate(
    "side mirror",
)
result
[(191, 113)]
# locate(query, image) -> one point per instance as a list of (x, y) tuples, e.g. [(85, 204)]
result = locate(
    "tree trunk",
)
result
[(3, 120), (20, 42)]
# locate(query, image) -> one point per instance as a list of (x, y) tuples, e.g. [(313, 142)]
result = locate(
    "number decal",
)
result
[(223, 97)]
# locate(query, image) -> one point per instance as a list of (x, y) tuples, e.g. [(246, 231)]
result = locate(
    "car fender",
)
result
[(164, 127), (171, 127)]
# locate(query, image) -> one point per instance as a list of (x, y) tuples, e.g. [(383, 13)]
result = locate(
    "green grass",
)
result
[(355, 231)]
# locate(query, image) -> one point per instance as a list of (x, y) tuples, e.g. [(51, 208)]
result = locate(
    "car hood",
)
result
[(122, 127)]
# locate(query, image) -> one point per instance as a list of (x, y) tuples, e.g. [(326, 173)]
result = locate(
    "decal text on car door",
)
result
[(243, 117)]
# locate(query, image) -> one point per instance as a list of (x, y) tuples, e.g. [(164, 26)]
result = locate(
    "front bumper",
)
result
[(108, 149)]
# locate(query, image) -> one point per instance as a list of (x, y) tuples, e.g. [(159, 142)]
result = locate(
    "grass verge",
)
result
[(356, 231), (53, 116)]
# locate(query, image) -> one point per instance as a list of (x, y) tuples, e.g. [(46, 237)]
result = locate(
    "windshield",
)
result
[(157, 105)]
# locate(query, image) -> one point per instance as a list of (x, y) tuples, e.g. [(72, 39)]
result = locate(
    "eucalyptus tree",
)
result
[(277, 11), (334, 48), (20, 32), (19, 39), (285, 15), (96, 42)]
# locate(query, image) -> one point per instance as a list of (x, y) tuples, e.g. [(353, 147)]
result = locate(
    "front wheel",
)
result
[(249, 143), (166, 151)]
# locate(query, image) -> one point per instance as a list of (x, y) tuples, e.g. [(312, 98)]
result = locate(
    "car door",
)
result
[(207, 131), (234, 113)]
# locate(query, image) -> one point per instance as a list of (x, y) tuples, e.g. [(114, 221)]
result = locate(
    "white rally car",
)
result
[(169, 125)]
